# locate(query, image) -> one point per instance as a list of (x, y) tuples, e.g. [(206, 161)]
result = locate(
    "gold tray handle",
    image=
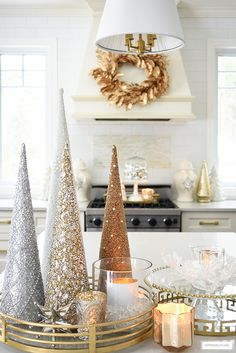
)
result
[(209, 223), (3, 251), (5, 221)]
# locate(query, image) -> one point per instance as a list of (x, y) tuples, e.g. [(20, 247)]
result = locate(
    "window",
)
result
[(226, 122), (221, 111), (22, 113)]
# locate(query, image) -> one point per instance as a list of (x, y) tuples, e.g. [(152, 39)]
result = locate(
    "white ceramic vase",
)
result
[(185, 182), (83, 181)]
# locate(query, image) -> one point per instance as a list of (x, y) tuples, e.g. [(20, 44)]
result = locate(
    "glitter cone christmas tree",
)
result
[(61, 139), (23, 283), (114, 242), (67, 266)]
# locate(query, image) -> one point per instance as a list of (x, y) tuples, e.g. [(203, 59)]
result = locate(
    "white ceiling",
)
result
[(42, 4), (97, 5)]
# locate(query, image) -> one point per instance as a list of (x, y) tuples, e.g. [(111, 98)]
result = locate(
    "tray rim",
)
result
[(183, 293), (142, 324)]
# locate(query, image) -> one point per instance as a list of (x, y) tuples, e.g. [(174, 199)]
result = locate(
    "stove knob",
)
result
[(167, 221), (135, 221), (152, 222), (175, 221), (97, 222)]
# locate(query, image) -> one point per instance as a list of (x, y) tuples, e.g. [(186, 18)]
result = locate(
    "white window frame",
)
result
[(216, 46), (48, 47)]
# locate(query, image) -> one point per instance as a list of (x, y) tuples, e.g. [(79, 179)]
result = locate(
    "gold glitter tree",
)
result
[(67, 266), (114, 242), (203, 185)]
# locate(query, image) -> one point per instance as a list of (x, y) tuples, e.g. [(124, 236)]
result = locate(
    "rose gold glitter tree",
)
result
[(114, 242), (67, 270)]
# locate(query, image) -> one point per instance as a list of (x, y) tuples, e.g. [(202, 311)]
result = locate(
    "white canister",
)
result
[(82, 180), (185, 182)]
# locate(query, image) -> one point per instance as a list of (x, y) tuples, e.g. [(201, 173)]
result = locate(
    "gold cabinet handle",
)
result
[(5, 221), (209, 223), (3, 251)]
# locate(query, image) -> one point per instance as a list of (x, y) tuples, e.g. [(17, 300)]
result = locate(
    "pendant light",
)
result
[(140, 26)]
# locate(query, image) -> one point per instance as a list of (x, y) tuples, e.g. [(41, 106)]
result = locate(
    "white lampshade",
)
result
[(135, 17)]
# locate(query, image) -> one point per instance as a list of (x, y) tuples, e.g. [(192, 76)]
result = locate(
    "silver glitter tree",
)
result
[(67, 271), (61, 139), (23, 283)]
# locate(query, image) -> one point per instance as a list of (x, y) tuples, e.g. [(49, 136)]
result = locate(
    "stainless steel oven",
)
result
[(162, 216)]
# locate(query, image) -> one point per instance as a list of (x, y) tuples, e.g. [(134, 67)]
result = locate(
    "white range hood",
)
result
[(90, 104)]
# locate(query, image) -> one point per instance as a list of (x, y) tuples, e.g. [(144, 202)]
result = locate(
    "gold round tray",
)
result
[(105, 337), (226, 326), (185, 292)]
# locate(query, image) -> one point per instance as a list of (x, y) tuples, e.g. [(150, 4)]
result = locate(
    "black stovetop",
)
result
[(161, 203)]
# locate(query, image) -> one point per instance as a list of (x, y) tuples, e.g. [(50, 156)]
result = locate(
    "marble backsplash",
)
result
[(155, 150)]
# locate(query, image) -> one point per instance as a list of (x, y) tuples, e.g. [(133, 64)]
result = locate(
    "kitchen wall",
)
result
[(185, 140)]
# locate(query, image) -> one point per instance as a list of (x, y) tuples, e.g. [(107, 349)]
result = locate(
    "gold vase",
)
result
[(203, 185)]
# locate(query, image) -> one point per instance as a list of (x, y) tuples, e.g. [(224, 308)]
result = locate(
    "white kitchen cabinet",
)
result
[(6, 207), (39, 221), (208, 221), (5, 223)]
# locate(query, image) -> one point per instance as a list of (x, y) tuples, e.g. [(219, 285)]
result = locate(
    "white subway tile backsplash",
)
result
[(8, 22), (54, 22), (196, 23), (192, 56), (79, 22), (196, 66), (36, 21), (196, 44), (228, 23)]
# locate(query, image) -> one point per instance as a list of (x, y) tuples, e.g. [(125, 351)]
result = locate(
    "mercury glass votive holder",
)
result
[(174, 326), (90, 307), (122, 279)]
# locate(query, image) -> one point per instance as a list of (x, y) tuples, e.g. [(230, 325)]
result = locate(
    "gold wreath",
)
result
[(121, 93)]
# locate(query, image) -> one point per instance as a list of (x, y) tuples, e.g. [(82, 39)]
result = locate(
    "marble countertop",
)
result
[(227, 205), (38, 205), (153, 245)]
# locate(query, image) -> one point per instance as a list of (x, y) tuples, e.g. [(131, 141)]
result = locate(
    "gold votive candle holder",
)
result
[(147, 194), (90, 307), (174, 326)]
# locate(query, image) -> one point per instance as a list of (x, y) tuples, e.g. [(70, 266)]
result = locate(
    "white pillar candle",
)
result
[(122, 291)]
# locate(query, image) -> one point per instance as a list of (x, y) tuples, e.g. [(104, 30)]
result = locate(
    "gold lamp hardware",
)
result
[(141, 46), (128, 40), (151, 40)]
